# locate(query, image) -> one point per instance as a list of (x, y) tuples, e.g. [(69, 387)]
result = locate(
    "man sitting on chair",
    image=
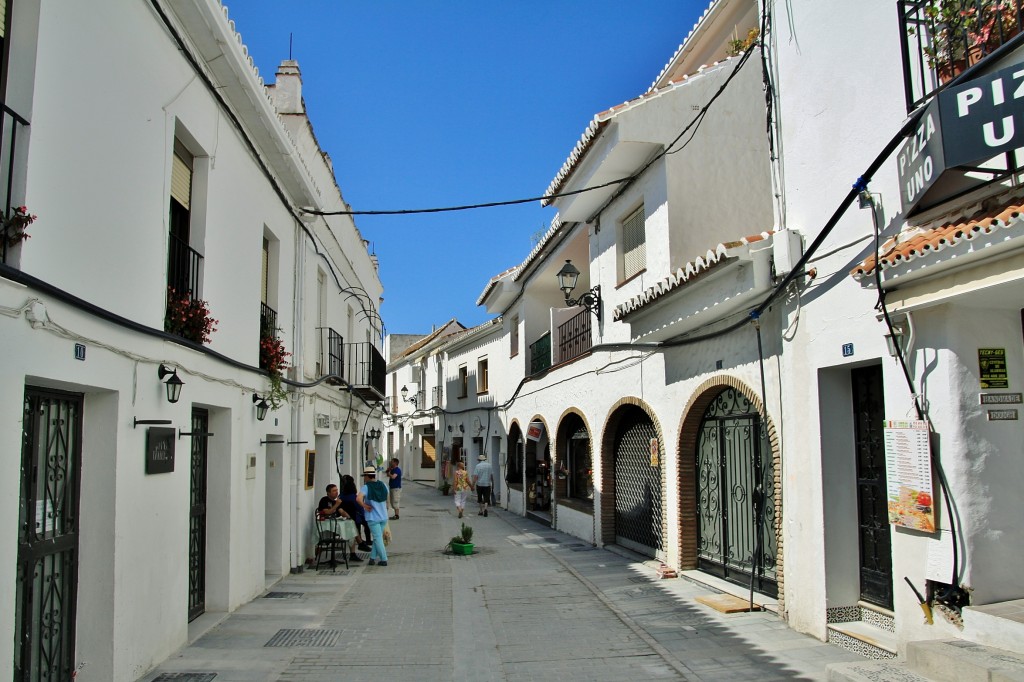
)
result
[(330, 508)]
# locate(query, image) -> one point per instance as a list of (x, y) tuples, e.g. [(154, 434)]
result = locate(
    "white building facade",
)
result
[(133, 506)]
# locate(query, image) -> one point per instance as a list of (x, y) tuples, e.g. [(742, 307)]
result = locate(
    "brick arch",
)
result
[(558, 457), (689, 433), (512, 449), (606, 480)]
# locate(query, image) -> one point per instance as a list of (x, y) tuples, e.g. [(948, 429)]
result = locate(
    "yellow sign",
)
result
[(992, 367), (654, 452)]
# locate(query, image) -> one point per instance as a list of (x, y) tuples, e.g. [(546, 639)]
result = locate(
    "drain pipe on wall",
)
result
[(296, 408)]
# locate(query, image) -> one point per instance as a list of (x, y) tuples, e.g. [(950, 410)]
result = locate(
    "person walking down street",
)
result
[(482, 476), (374, 498), (461, 486), (395, 485), (350, 503)]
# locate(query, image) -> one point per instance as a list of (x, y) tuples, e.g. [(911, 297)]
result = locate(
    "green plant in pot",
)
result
[(463, 542), (444, 487)]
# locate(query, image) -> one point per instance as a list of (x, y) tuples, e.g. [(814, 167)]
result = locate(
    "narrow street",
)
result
[(530, 604)]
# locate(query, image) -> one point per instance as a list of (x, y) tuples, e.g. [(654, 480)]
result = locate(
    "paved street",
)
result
[(530, 604)]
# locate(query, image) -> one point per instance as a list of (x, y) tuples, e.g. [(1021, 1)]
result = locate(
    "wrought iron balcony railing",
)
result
[(268, 321), (10, 122), (942, 38), (365, 369), (540, 354), (574, 337), (331, 353), (184, 268)]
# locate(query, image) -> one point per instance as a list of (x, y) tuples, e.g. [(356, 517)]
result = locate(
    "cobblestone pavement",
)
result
[(530, 604)]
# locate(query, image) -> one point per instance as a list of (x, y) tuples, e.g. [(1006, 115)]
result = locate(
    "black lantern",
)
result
[(567, 278), (173, 384), (261, 406), (374, 434), (414, 399)]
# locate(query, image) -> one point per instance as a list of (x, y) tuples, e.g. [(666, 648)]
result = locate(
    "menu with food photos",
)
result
[(908, 473)]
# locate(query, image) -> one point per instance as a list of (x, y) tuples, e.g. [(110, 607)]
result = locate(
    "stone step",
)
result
[(863, 638), (1000, 625), (957, 660), (873, 671)]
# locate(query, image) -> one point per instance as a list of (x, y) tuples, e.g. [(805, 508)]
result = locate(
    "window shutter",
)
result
[(181, 181), (634, 244), (265, 271)]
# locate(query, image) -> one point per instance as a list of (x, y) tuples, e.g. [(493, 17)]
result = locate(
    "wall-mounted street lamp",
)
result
[(173, 384), (261, 406), (462, 428), (896, 341), (591, 300), (414, 398), (373, 434)]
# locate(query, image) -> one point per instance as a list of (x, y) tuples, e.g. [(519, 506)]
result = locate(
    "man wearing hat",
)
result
[(482, 476), (374, 498)]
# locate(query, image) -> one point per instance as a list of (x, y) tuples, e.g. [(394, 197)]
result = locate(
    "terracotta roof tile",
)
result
[(915, 242)]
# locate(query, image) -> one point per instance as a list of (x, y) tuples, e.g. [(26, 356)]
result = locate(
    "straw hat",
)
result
[(370, 471), (481, 457)]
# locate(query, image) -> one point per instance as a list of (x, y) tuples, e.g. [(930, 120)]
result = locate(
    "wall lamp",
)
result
[(896, 341), (591, 300), (173, 384), (462, 428), (261, 406), (414, 399), (373, 434)]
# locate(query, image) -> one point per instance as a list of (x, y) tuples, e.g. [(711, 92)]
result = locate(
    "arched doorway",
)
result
[(637, 475), (514, 463), (736, 493), (574, 469)]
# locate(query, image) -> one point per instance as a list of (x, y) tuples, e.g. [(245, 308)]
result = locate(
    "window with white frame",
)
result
[(633, 245)]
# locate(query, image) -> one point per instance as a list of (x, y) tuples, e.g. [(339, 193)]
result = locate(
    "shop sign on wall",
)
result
[(992, 368), (654, 452), (908, 473), (159, 450)]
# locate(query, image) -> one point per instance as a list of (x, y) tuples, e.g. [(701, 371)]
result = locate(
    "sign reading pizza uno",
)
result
[(965, 125)]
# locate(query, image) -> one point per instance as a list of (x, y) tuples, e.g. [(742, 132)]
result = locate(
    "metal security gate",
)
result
[(197, 517), (637, 485), (47, 582), (735, 494), (872, 508)]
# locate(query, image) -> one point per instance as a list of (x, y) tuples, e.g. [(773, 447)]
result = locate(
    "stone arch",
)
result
[(689, 433), (606, 481), (529, 466)]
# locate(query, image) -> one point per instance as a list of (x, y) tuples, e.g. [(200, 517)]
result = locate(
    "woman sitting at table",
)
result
[(349, 492)]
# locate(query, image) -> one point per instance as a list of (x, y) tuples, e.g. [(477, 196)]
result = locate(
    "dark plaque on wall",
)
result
[(159, 450)]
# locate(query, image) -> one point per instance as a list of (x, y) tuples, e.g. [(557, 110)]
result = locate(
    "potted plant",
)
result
[(444, 487), (15, 226), (462, 544), (274, 359), (188, 317), (963, 31)]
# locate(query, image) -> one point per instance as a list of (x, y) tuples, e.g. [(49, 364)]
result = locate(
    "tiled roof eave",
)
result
[(700, 269)]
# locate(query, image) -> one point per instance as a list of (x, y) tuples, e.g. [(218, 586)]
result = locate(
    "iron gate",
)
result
[(637, 485), (735, 494), (197, 517), (47, 582), (872, 508)]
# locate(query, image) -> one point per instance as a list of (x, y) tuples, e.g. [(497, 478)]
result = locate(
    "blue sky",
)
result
[(427, 104)]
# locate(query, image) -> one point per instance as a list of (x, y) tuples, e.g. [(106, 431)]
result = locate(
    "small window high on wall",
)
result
[(633, 245)]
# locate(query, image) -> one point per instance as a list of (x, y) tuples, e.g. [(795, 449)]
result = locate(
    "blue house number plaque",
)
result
[(847, 350)]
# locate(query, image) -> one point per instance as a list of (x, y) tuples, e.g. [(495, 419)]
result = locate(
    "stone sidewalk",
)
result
[(530, 604)]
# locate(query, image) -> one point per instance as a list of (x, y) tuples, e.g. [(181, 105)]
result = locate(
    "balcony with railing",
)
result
[(10, 169), (184, 269), (540, 354), (574, 338), (943, 38), (331, 357), (365, 369)]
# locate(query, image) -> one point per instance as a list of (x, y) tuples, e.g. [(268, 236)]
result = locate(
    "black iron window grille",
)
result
[(184, 268)]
